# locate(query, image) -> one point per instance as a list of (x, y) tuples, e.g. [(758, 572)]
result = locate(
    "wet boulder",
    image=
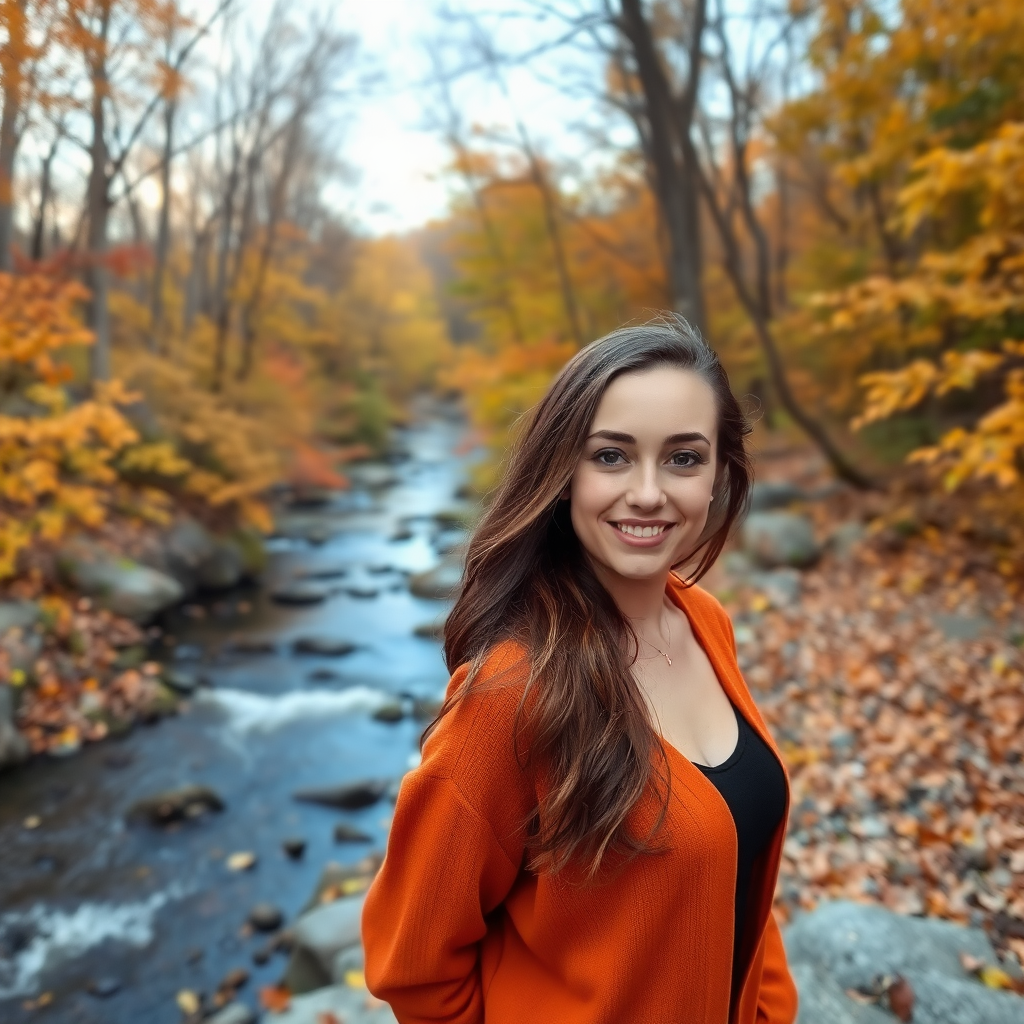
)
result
[(767, 495), (190, 801), (120, 584), (300, 593), (318, 937), (18, 615), (323, 646), (350, 796), (14, 747), (439, 583), (779, 539)]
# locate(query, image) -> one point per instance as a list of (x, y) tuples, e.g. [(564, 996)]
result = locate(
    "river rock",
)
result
[(265, 917), (843, 540), (223, 569), (174, 804), (318, 936), (390, 712), (300, 593), (18, 615), (362, 592), (768, 495), (781, 586), (344, 1002), (182, 680), (430, 630), (324, 646), (327, 573), (853, 944), (346, 833), (104, 988), (14, 747), (233, 1013), (439, 583), (125, 587), (350, 796), (294, 847), (780, 538)]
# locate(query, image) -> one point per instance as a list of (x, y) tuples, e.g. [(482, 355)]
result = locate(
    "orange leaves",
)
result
[(275, 998)]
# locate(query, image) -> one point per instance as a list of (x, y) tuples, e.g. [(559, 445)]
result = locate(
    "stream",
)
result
[(145, 912)]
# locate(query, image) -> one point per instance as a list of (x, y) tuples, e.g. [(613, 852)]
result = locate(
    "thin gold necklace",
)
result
[(658, 649)]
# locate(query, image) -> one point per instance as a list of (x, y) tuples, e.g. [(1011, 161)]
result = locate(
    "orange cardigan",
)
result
[(456, 930)]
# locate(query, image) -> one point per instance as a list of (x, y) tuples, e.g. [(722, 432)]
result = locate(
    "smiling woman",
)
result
[(594, 832)]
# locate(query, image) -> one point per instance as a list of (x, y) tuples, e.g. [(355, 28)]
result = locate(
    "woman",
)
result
[(593, 834)]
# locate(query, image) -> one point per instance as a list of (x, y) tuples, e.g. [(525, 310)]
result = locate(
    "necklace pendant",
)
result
[(669, 660)]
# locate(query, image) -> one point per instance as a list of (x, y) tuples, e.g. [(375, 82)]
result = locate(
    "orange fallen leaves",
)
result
[(275, 998)]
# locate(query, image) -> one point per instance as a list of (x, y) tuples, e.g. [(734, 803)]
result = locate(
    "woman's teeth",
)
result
[(640, 531)]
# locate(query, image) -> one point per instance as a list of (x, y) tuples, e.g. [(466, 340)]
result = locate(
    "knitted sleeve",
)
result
[(453, 854)]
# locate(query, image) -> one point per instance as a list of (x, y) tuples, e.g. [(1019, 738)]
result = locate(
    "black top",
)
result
[(753, 785)]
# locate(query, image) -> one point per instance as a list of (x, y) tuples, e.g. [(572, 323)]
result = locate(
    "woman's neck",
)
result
[(642, 602)]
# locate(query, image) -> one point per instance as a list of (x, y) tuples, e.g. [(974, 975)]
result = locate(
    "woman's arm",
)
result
[(424, 914), (453, 854)]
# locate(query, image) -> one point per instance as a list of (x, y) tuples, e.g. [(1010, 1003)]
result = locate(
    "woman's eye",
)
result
[(608, 457), (686, 460)]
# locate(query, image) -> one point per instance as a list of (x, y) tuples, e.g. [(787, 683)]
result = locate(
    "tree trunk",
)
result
[(98, 275), (10, 134), (670, 154), (45, 190), (163, 236)]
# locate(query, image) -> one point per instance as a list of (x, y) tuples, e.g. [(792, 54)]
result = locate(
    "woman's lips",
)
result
[(632, 533)]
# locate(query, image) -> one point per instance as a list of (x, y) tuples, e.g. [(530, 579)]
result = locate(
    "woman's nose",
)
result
[(645, 489)]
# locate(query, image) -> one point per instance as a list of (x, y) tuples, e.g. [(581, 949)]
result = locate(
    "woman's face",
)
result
[(640, 496)]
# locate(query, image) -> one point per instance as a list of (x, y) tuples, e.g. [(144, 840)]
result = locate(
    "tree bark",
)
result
[(163, 237), (669, 120), (10, 134), (98, 274)]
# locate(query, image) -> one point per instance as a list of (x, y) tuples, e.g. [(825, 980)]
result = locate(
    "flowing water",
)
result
[(87, 897)]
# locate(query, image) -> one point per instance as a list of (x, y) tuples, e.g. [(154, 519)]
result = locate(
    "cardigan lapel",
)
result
[(712, 638)]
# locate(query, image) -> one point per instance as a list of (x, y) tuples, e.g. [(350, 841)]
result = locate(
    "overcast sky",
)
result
[(398, 159)]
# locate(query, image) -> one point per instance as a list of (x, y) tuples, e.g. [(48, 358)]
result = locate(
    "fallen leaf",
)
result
[(188, 1002), (901, 998), (355, 979), (32, 821), (326, 1017), (275, 998), (995, 977), (241, 861)]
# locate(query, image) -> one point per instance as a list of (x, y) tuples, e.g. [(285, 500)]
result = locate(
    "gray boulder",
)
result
[(13, 746), (822, 1001), (224, 569), (125, 587), (347, 1004), (318, 937), (853, 944), (18, 615), (780, 538), (767, 495)]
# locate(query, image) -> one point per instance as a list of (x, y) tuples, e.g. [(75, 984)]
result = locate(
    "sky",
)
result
[(398, 159)]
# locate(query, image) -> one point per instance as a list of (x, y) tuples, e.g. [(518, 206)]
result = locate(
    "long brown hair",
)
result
[(527, 578)]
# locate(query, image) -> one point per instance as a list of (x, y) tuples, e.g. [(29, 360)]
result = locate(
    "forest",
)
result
[(200, 348)]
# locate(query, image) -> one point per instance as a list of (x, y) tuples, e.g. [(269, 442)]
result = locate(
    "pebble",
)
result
[(300, 594), (104, 988), (390, 712), (294, 848), (361, 592), (234, 979), (265, 917), (346, 833), (351, 796), (324, 646)]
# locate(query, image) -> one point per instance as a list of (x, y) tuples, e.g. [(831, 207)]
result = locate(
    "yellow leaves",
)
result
[(159, 458)]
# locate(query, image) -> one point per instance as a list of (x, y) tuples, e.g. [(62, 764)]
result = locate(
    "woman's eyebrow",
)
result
[(615, 435)]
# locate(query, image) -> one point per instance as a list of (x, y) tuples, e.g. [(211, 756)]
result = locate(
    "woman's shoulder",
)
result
[(703, 606), (484, 713)]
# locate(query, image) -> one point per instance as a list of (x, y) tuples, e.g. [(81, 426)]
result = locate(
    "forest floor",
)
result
[(894, 684)]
